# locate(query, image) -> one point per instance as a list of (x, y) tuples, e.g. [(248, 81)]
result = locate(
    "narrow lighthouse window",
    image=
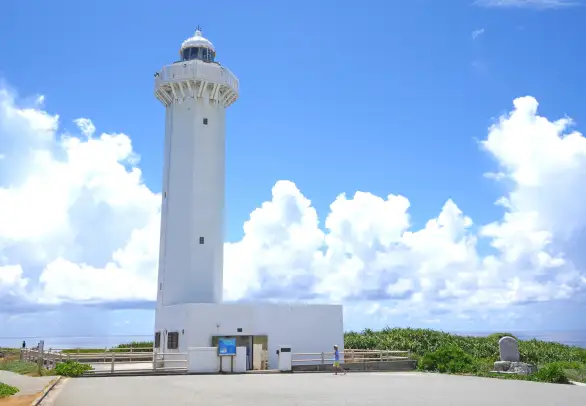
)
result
[(205, 121), (201, 240)]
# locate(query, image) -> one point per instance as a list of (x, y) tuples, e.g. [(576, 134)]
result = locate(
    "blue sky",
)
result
[(386, 97), (337, 97)]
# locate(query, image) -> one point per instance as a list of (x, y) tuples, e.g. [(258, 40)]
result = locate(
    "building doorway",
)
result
[(256, 349)]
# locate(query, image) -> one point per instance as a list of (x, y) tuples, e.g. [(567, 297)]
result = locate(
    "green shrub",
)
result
[(450, 359), (570, 364), (7, 390), (552, 373), (72, 368)]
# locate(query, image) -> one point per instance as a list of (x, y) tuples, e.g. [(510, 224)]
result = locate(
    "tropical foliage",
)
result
[(72, 368), (437, 351), (7, 390), (422, 341)]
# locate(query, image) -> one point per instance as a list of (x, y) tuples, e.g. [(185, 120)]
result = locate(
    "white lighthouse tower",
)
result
[(196, 91)]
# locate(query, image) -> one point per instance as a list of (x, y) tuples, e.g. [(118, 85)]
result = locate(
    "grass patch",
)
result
[(23, 368), (575, 371), (19, 367), (7, 390), (9, 351)]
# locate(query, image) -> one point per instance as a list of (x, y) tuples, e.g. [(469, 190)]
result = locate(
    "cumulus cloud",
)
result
[(477, 33), (75, 223), (78, 225)]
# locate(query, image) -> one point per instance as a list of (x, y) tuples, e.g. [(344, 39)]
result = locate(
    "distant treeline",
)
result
[(136, 346)]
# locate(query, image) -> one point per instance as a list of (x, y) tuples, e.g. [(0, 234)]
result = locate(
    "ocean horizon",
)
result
[(574, 338)]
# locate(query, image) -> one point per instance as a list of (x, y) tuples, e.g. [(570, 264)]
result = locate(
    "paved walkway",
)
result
[(27, 385), (372, 389)]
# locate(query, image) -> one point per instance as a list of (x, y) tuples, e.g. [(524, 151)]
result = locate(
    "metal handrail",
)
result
[(352, 356)]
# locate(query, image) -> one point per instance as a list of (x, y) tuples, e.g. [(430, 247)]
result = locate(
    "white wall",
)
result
[(207, 360), (306, 328), (203, 359), (240, 360)]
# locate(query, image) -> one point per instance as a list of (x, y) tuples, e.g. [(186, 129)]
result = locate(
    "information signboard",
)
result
[(227, 347)]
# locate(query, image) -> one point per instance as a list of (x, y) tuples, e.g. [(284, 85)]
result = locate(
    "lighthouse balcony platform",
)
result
[(196, 79)]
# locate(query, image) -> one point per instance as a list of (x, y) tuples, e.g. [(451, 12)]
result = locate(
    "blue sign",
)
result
[(226, 347)]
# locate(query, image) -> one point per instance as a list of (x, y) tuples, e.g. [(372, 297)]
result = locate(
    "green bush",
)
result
[(72, 368), (450, 359), (7, 390), (552, 373)]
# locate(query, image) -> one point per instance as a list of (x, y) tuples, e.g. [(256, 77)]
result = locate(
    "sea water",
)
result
[(74, 342), (575, 338)]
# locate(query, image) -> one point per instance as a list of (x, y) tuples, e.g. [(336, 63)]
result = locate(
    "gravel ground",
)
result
[(372, 389), (28, 385)]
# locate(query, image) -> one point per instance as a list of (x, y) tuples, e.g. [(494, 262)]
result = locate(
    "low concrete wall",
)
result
[(407, 365)]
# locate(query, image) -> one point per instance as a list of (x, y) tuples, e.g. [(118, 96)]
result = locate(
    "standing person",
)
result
[(23, 344), (337, 361)]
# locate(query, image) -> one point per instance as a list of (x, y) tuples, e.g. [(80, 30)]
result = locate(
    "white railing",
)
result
[(350, 357), (196, 70), (129, 360), (81, 354), (110, 360), (176, 361), (116, 359)]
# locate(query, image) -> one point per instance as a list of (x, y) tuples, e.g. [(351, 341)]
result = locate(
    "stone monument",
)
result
[(509, 349), (510, 358)]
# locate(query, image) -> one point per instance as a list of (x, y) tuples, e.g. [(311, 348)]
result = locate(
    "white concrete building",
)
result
[(196, 92)]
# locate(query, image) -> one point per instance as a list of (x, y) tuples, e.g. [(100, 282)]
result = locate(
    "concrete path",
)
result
[(373, 389), (28, 385)]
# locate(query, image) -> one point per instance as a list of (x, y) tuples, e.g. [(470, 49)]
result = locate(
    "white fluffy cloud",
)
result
[(76, 222), (477, 33), (78, 225)]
